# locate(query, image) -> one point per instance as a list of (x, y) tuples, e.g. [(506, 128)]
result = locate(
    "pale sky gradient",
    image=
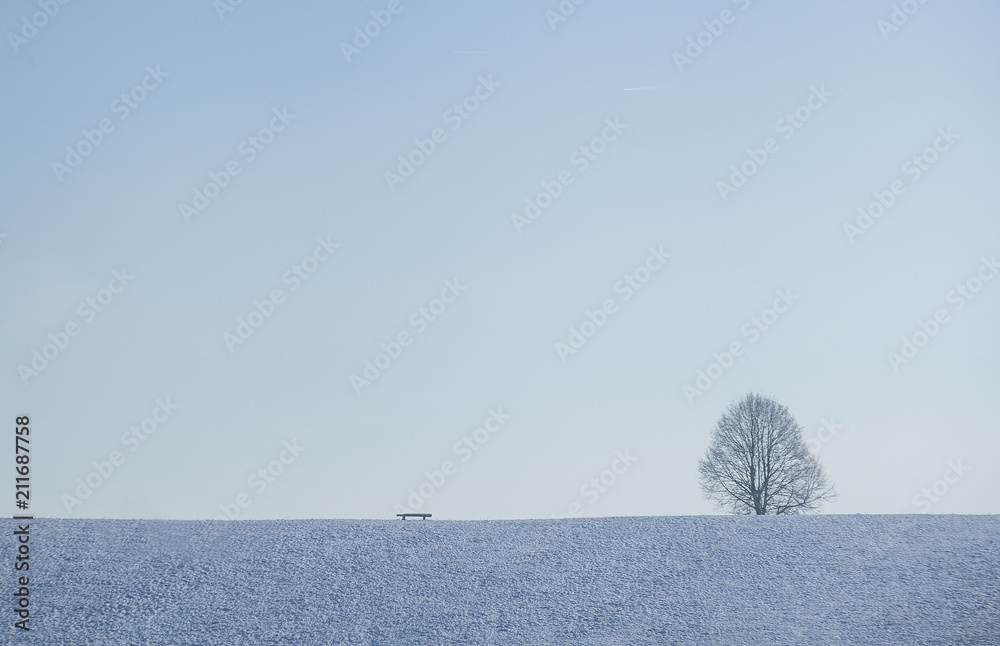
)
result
[(654, 185)]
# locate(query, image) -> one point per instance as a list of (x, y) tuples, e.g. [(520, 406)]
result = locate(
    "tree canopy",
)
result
[(757, 462)]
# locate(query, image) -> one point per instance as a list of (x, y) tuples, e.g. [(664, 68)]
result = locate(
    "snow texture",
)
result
[(830, 580)]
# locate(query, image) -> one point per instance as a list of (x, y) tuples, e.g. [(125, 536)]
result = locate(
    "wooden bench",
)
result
[(421, 516)]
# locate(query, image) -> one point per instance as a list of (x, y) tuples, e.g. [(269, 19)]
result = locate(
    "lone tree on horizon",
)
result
[(758, 463)]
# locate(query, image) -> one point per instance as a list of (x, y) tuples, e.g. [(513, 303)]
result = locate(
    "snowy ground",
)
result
[(831, 580)]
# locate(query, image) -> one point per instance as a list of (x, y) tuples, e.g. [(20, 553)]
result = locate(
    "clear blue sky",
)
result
[(878, 98)]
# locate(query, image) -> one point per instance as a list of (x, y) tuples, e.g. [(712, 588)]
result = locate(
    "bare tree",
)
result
[(758, 463)]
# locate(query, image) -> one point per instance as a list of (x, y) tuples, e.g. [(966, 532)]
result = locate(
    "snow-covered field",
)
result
[(831, 580)]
